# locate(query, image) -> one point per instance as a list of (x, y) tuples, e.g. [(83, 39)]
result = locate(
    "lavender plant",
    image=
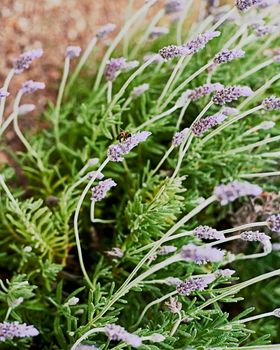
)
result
[(127, 221)]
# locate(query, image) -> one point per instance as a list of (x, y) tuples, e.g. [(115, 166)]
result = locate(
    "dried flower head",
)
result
[(206, 232), (174, 6), (158, 31), (112, 68), (179, 137), (271, 103), (117, 333), (194, 284), (267, 124), (244, 5), (31, 86), (139, 90), (105, 30), (231, 93), (25, 59), (172, 51), (3, 93), (115, 253), (173, 305), (228, 55), (273, 222), (234, 190), (155, 338), (72, 301), (16, 330), (201, 255), (99, 191), (276, 312), (202, 125), (200, 42), (116, 152), (73, 51)]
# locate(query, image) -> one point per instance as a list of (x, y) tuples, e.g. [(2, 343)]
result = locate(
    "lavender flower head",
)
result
[(158, 31), (224, 273), (86, 347), (16, 330), (130, 65), (105, 30), (25, 108), (100, 190), (194, 284), (200, 42), (229, 111), (166, 249), (3, 93), (157, 58), (116, 152), (173, 305), (172, 51), (31, 86), (73, 51), (234, 190), (271, 103), (179, 137), (139, 90), (228, 56), (201, 255), (273, 222), (174, 6), (262, 30), (25, 59), (201, 91), (202, 125), (254, 236), (112, 68), (244, 5), (231, 93), (117, 333), (206, 232)]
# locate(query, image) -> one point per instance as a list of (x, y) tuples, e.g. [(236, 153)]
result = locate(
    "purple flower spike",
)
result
[(201, 126), (112, 68), (229, 111), (73, 51), (31, 86), (179, 137), (3, 93), (254, 236), (16, 330), (194, 284), (206, 232), (201, 91), (273, 222), (231, 93), (244, 5), (100, 190), (201, 255), (105, 30), (200, 42), (25, 59), (234, 190), (117, 333), (139, 90), (262, 30), (116, 152), (174, 6), (158, 31), (172, 51), (271, 103), (228, 56)]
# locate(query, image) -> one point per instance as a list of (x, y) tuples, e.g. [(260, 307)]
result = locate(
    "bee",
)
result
[(123, 136)]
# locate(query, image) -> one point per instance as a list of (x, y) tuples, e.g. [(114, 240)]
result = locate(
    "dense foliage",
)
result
[(72, 265)]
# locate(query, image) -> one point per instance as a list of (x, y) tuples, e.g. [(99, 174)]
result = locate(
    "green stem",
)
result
[(254, 145), (86, 335), (254, 70)]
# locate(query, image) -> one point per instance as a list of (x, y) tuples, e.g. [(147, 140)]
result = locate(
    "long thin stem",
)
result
[(118, 38), (86, 335), (163, 159), (181, 22), (20, 135), (257, 317), (81, 63), (76, 221), (177, 324), (156, 118), (59, 98), (5, 88), (254, 145), (182, 113), (6, 123), (251, 176), (254, 70)]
